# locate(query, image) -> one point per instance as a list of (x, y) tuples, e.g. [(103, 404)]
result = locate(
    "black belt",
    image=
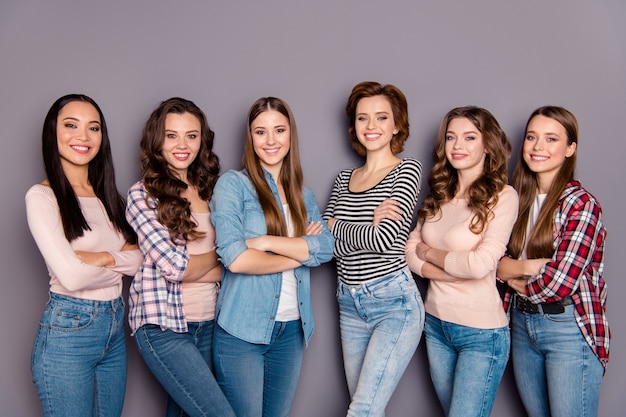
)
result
[(557, 307)]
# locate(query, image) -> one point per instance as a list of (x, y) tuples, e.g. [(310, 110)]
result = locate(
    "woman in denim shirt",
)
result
[(269, 233)]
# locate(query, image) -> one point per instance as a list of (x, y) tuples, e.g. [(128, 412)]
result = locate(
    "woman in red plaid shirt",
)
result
[(560, 334)]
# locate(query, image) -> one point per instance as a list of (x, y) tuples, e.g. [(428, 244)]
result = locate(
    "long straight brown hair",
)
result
[(290, 176), (541, 238)]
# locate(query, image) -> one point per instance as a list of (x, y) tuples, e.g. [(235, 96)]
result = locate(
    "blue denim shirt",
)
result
[(247, 304)]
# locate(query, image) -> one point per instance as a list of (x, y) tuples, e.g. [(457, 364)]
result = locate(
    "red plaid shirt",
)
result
[(577, 267)]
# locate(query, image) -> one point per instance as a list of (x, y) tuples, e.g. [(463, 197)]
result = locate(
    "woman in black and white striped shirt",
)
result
[(370, 213)]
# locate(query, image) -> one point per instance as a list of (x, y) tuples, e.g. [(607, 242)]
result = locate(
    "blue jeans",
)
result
[(466, 365), (381, 325), (181, 362), (556, 372), (79, 357), (260, 379)]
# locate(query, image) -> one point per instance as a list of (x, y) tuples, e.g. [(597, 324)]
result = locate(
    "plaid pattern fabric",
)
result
[(155, 295), (577, 267)]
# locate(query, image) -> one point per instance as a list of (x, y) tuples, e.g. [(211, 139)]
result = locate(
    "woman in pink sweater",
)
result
[(76, 217), (462, 232)]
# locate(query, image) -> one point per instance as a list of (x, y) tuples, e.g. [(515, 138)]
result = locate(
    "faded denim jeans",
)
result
[(381, 325)]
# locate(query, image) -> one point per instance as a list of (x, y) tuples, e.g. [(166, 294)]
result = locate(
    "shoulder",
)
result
[(509, 195), (40, 194), (411, 163), (575, 196), (137, 191), (232, 178)]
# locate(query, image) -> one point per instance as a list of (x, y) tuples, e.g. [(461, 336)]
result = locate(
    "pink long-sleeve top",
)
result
[(68, 275), (473, 301)]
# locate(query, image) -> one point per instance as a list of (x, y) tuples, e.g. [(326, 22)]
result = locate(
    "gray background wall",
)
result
[(509, 57)]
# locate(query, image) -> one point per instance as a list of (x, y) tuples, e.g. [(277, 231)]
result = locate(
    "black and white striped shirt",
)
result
[(365, 252)]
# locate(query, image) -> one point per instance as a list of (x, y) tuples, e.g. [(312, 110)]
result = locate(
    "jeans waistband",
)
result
[(558, 307), (95, 305), (371, 285)]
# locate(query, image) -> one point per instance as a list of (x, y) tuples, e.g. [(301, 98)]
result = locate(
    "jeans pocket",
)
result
[(68, 319)]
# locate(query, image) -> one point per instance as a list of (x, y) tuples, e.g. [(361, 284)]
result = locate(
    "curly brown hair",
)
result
[(483, 193), (399, 108), (162, 185)]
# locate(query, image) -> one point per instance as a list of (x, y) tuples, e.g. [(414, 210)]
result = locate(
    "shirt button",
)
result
[(352, 290)]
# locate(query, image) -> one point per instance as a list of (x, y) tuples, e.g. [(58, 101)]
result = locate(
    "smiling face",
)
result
[(374, 124), (182, 142), (271, 139), (464, 147), (79, 133), (546, 148)]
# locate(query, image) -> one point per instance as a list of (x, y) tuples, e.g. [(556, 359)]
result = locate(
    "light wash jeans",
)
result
[(79, 357), (381, 325), (260, 380), (556, 372), (181, 362), (466, 365)]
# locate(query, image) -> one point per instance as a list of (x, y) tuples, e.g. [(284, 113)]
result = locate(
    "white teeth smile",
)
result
[(271, 151), (538, 158), (80, 148), (181, 155)]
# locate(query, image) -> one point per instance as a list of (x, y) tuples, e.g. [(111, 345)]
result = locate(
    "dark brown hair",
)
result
[(162, 184)]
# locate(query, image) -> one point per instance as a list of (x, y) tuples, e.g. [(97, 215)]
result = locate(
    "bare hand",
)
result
[(257, 243), (421, 249), (518, 284), (388, 209), (314, 229)]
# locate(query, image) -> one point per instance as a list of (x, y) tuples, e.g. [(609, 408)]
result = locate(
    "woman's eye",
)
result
[(470, 138), (361, 119), (530, 137), (550, 139), (450, 138), (70, 125), (280, 130), (192, 136), (170, 136)]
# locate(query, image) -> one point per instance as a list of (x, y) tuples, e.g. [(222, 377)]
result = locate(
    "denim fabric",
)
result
[(556, 372), (381, 325), (466, 365), (260, 379), (182, 363), (79, 357), (246, 306)]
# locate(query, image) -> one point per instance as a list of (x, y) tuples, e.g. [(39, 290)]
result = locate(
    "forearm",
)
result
[(433, 272), (214, 275), (291, 247), (255, 262), (509, 268), (199, 265)]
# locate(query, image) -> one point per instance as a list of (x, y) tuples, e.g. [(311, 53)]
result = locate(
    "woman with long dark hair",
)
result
[(172, 298), (76, 217)]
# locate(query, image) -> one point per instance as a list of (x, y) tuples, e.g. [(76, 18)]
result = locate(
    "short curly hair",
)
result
[(399, 108)]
